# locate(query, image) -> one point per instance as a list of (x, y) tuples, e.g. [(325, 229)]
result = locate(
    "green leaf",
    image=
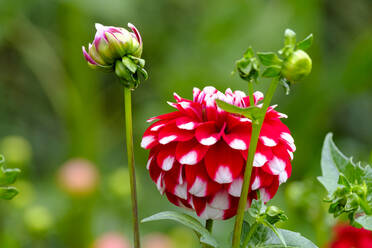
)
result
[(132, 67), (7, 193), (249, 53), (289, 38), (269, 58), (264, 237), (365, 221), (8, 176), (252, 112), (272, 71), (205, 236), (305, 43), (332, 162)]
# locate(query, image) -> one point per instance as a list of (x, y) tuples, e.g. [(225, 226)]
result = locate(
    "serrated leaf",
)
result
[(332, 162), (305, 43), (272, 71), (269, 58), (252, 112), (289, 38), (365, 221), (205, 236)]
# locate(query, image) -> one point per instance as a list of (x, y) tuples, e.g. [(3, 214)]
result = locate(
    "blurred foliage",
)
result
[(60, 109)]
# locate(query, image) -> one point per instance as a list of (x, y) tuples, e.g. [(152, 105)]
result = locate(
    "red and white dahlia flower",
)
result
[(198, 153)]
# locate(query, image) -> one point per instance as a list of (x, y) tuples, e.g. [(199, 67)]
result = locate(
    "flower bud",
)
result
[(297, 66), (111, 44)]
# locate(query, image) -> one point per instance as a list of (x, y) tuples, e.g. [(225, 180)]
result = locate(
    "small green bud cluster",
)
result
[(291, 64), (349, 198), (266, 214)]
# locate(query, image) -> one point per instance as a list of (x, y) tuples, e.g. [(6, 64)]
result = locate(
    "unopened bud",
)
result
[(297, 66), (111, 44)]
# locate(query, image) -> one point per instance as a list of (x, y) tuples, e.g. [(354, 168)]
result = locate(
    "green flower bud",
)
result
[(297, 66)]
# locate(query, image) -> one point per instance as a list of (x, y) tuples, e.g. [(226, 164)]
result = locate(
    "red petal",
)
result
[(166, 116), (149, 139), (198, 182), (238, 137), (166, 157), (223, 163), (171, 133), (190, 152), (207, 133), (186, 123)]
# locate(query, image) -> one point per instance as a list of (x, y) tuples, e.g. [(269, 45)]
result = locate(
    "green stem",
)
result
[(209, 227), (256, 128), (250, 93), (132, 174), (250, 233)]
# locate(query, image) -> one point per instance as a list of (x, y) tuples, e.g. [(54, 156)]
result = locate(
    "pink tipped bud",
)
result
[(111, 44)]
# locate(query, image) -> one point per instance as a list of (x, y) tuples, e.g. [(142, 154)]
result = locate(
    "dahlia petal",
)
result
[(199, 187), (235, 188), (268, 141), (196, 93), (269, 192), (180, 190), (223, 163), (148, 141), (266, 179), (190, 152), (290, 154), (258, 96), (220, 200), (171, 133), (287, 137), (198, 181), (174, 176), (238, 137), (177, 201), (276, 165), (156, 126), (160, 183), (256, 183), (171, 115), (211, 213), (166, 157), (259, 159), (186, 123), (207, 133), (88, 57)]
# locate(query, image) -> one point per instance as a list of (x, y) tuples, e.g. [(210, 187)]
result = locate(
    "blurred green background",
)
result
[(62, 123)]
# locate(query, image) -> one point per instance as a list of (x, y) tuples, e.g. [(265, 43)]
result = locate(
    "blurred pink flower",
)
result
[(112, 240), (78, 177), (157, 240)]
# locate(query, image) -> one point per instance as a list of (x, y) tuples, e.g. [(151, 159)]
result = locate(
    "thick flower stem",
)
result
[(256, 128), (132, 174)]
